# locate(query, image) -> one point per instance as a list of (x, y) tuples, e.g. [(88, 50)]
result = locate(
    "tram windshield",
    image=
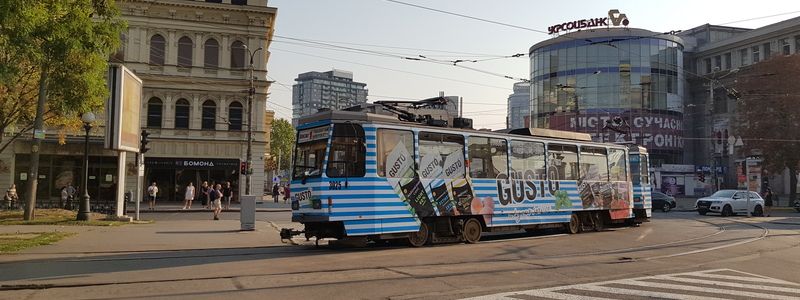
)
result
[(310, 152)]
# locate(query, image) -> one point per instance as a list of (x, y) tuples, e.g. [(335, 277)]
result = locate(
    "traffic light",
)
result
[(702, 177), (243, 168), (143, 147)]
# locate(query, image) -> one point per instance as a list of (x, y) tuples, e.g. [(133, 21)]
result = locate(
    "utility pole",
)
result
[(251, 94)]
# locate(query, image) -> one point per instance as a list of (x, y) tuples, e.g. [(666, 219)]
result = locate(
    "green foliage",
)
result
[(768, 114), (282, 142), (70, 41), (12, 242)]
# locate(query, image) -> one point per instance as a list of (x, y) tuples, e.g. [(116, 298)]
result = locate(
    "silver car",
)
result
[(731, 202)]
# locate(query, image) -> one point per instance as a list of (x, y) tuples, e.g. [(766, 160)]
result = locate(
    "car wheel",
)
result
[(727, 211), (666, 207), (758, 211)]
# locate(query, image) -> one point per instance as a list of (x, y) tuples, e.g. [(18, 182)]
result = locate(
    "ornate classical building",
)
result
[(194, 59)]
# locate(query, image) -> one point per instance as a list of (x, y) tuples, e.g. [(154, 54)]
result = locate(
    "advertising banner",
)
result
[(651, 130)]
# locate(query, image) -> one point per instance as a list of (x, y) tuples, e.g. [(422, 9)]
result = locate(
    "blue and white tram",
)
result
[(368, 176)]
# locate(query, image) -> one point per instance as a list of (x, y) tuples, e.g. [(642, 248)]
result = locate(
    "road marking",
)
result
[(719, 285)]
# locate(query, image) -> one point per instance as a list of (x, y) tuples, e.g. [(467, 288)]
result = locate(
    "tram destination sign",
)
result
[(615, 18)]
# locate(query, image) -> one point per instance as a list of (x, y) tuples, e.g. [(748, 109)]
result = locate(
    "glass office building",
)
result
[(582, 80)]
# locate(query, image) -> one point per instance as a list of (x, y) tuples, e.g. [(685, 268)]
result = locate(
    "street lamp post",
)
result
[(83, 213), (251, 93)]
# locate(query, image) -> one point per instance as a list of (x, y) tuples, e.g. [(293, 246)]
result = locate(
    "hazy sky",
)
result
[(366, 24)]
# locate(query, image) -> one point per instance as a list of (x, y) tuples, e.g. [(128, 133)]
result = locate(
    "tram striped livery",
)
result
[(358, 174)]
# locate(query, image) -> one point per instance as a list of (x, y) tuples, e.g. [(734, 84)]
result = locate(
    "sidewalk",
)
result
[(264, 205)]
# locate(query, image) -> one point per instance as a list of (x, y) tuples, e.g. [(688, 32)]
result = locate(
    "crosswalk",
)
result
[(716, 284)]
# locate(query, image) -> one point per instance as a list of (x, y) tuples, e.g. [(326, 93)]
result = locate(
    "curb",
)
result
[(206, 211)]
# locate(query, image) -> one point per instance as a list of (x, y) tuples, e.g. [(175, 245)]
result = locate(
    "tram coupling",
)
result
[(288, 233)]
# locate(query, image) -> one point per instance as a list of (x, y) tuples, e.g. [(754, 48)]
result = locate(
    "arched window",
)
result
[(157, 50), (235, 116), (185, 52), (182, 114), (237, 55), (211, 49), (154, 107), (209, 115)]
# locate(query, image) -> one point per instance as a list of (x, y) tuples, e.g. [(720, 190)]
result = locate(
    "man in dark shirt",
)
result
[(227, 193)]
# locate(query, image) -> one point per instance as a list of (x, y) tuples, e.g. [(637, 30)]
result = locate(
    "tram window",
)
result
[(562, 162), (348, 151), (618, 171), (441, 155), (528, 158), (487, 157), (645, 165), (594, 164), (395, 153), (310, 152)]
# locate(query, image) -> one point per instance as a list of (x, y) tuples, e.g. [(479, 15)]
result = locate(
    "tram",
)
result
[(360, 174)]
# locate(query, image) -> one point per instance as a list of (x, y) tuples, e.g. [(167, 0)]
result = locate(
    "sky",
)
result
[(377, 35)]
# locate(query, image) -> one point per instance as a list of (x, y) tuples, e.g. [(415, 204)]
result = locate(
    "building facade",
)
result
[(582, 80), (519, 106), (715, 57), (320, 90), (192, 57)]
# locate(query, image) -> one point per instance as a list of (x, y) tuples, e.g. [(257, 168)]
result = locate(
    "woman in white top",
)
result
[(189, 197)]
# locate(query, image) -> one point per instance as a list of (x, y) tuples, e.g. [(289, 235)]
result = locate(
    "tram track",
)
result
[(524, 263)]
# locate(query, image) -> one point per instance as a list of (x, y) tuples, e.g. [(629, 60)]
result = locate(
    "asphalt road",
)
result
[(185, 255)]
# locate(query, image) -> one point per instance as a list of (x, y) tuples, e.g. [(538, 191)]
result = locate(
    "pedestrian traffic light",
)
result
[(143, 147), (702, 177), (243, 168)]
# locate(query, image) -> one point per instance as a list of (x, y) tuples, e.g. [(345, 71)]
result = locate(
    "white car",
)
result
[(730, 202)]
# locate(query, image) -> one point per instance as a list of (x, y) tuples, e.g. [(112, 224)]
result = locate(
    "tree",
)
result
[(55, 51), (767, 111), (282, 143)]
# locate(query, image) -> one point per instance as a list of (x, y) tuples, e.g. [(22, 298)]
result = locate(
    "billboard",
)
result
[(122, 110)]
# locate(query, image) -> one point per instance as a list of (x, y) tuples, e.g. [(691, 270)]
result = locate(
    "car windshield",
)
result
[(724, 194)]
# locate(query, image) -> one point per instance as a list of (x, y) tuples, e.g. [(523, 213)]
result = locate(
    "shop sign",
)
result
[(650, 130), (191, 163), (615, 18)]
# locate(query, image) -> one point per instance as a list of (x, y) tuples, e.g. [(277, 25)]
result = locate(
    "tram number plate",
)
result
[(335, 185)]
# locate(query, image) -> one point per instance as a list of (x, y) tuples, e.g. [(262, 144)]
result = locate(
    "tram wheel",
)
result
[(598, 222), (472, 231), (421, 237), (574, 226)]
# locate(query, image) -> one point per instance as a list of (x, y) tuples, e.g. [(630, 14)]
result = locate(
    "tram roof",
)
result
[(337, 116)]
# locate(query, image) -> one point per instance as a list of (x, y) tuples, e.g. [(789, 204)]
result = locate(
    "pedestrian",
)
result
[(768, 202), (152, 192), (12, 196), (216, 200), (286, 194), (275, 193), (70, 195), (64, 197), (204, 195), (227, 193), (189, 196)]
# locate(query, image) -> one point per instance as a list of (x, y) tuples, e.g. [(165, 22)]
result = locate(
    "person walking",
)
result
[(152, 192), (286, 194), (227, 194), (768, 202), (275, 193), (216, 200), (11, 196), (64, 197), (189, 196), (204, 195)]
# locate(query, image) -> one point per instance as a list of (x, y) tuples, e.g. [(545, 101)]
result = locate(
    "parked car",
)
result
[(730, 202), (663, 201)]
